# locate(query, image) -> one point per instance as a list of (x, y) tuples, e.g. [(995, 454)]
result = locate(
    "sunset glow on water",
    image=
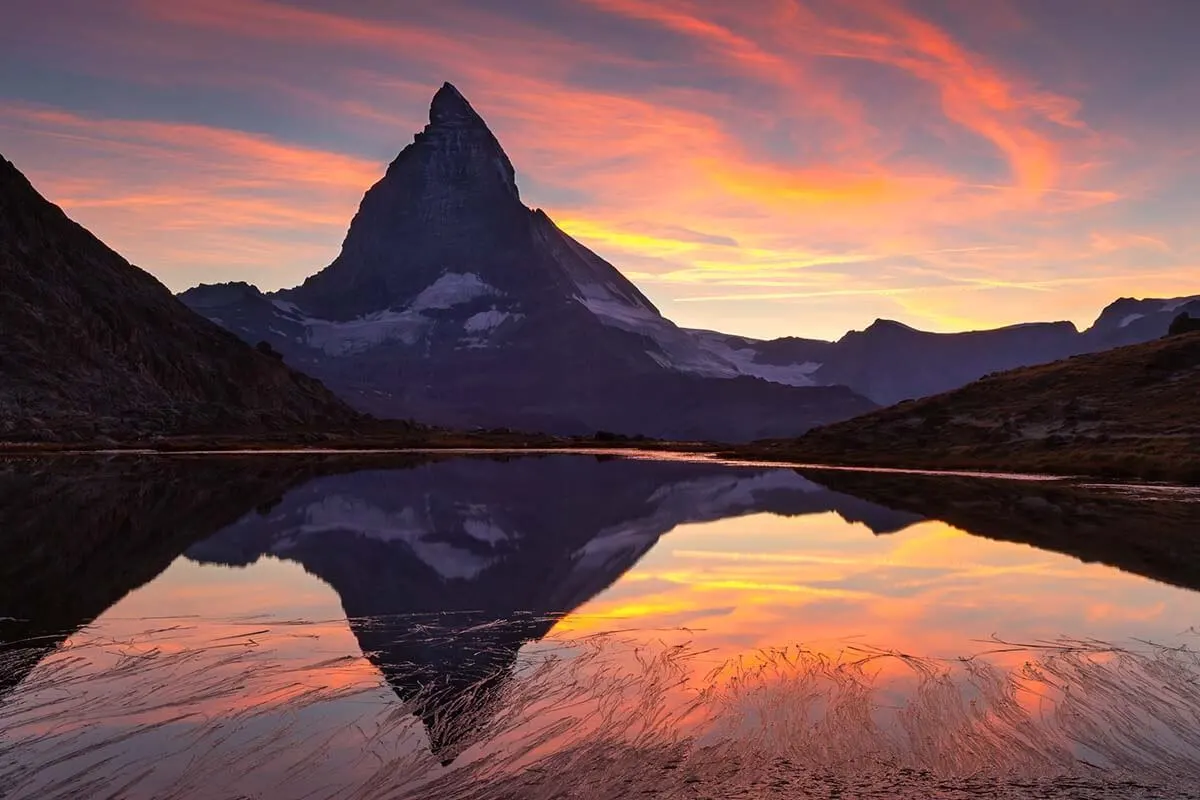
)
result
[(688, 615)]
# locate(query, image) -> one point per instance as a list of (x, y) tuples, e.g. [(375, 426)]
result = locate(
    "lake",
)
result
[(583, 625)]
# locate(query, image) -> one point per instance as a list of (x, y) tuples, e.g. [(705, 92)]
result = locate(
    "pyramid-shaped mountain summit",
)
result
[(447, 215), (453, 303)]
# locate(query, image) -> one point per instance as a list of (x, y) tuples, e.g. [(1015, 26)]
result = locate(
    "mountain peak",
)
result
[(446, 200), (450, 108), (881, 325), (459, 147)]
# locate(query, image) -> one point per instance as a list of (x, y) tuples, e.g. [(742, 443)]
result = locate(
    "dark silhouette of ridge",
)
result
[(94, 346)]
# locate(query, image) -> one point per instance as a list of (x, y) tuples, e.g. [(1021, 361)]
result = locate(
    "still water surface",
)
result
[(574, 625)]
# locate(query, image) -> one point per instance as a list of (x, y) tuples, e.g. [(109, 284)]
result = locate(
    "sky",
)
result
[(766, 167)]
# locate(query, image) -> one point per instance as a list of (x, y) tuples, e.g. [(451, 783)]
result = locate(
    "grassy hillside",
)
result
[(1133, 412)]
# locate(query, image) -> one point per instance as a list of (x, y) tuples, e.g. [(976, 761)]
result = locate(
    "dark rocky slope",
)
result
[(91, 345)]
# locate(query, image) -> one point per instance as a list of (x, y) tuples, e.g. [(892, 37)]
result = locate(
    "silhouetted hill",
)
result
[(90, 345), (1129, 412)]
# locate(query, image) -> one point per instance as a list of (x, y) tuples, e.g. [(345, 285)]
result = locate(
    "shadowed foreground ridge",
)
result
[(1129, 412), (94, 346)]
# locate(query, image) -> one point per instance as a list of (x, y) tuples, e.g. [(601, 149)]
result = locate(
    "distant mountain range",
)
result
[(889, 361), (453, 303), (93, 346)]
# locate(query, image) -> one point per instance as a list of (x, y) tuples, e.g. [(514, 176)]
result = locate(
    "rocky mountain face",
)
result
[(453, 303), (94, 346)]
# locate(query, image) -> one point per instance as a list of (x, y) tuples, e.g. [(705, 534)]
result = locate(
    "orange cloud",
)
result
[(981, 99), (973, 93), (796, 176), (255, 159), (213, 202), (744, 54)]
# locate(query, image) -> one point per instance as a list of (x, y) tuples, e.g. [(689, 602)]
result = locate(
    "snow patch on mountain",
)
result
[(485, 530), (684, 350), (452, 289), (742, 359), (349, 337), (614, 309), (488, 320), (1129, 319), (289, 309), (356, 517), (357, 335), (1182, 301)]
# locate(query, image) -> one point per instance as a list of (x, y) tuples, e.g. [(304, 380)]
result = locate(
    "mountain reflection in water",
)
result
[(446, 570), (476, 542)]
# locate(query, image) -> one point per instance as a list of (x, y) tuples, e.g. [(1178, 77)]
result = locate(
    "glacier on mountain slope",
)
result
[(678, 349), (1182, 301), (488, 320), (743, 361), (288, 308), (406, 326), (357, 335), (452, 289), (484, 530), (684, 350)]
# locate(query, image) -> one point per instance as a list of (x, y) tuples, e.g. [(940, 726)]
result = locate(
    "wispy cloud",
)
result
[(839, 159)]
